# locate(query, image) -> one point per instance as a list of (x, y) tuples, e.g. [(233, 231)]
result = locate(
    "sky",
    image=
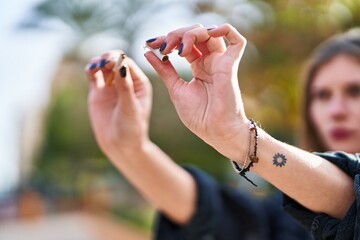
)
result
[(28, 60)]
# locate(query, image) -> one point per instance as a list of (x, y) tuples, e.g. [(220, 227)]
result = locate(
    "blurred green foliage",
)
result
[(140, 217), (69, 154), (70, 160)]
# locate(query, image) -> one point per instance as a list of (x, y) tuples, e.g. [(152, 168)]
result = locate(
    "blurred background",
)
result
[(54, 181)]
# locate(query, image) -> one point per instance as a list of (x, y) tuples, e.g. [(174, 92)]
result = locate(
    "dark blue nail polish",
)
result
[(102, 63), (93, 66), (151, 40), (123, 71), (163, 46), (181, 48), (209, 29)]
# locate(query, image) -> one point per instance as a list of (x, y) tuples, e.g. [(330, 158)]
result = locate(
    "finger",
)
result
[(108, 73), (137, 75), (215, 44), (91, 69), (198, 42), (106, 65), (159, 43), (192, 53), (173, 39), (125, 87), (235, 40), (166, 71), (156, 42)]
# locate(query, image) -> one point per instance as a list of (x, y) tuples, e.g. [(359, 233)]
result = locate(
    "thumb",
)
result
[(166, 71)]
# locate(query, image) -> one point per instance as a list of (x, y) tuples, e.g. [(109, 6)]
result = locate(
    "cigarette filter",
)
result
[(157, 53)]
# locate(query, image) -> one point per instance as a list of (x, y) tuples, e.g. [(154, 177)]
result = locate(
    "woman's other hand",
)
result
[(119, 111)]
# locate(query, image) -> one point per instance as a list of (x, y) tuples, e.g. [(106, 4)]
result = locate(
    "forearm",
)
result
[(309, 179), (162, 182)]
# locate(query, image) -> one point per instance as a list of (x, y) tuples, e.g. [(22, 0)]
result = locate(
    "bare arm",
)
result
[(119, 116), (210, 105), (313, 181), (162, 182)]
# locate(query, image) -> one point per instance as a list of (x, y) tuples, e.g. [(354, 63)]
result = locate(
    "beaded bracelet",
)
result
[(253, 157), (235, 164)]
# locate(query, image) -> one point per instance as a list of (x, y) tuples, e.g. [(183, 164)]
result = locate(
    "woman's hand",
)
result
[(119, 112), (210, 105), (120, 115)]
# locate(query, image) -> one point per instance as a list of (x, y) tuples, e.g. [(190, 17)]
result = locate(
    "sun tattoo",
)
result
[(279, 160)]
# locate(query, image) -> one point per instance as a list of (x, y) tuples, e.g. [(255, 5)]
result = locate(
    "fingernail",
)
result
[(123, 71), (151, 40), (92, 66), (181, 48), (209, 29), (163, 46), (102, 63)]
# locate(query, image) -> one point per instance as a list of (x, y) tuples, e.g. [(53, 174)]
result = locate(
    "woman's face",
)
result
[(335, 104)]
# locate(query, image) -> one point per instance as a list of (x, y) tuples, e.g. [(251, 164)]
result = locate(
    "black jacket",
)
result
[(323, 226), (223, 213)]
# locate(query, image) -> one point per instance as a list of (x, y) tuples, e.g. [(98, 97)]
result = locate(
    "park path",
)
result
[(80, 225)]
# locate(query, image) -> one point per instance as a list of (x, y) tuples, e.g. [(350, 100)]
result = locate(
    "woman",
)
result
[(210, 105), (331, 81), (332, 121)]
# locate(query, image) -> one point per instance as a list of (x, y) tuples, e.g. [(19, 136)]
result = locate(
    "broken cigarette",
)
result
[(157, 53), (110, 78), (119, 61)]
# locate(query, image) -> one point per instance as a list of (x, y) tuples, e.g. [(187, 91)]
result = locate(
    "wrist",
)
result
[(130, 151), (234, 144)]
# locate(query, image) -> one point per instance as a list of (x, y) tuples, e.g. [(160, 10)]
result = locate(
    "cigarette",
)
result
[(157, 53), (110, 78), (119, 61)]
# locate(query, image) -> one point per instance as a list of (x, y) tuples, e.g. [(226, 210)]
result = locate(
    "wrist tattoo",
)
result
[(279, 160)]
